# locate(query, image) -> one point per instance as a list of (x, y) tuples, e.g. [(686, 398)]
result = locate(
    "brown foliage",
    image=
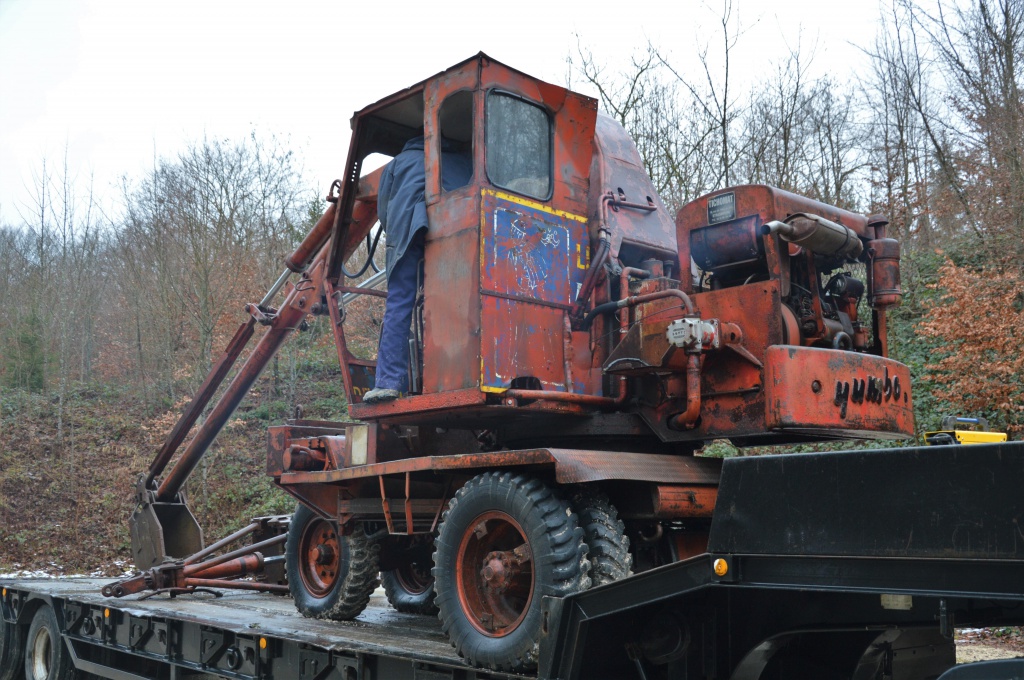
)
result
[(980, 313)]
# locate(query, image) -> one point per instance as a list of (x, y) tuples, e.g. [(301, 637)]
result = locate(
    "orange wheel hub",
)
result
[(320, 555), (494, 573)]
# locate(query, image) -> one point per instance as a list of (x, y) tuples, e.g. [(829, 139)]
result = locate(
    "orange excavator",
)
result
[(573, 344)]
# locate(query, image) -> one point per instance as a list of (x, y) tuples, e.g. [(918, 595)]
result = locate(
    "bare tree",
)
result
[(685, 129), (796, 133), (902, 173), (51, 286), (670, 135), (23, 363), (975, 137), (836, 158), (775, 132), (200, 234), (714, 97)]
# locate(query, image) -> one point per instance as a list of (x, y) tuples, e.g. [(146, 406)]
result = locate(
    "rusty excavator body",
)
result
[(573, 344)]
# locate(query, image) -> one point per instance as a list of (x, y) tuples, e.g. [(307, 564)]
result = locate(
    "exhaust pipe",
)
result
[(820, 236)]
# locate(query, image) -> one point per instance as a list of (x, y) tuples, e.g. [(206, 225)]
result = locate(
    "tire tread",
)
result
[(567, 562), (352, 595), (604, 533), (360, 582), (404, 601)]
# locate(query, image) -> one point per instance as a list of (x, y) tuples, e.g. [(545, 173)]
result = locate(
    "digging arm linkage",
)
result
[(165, 534)]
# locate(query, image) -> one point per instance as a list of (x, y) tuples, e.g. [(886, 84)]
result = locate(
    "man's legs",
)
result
[(393, 350)]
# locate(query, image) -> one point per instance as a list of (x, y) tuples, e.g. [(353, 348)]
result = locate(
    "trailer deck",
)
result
[(237, 635)]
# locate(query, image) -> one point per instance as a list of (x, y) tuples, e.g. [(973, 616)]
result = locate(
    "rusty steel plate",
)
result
[(839, 393), (572, 466)]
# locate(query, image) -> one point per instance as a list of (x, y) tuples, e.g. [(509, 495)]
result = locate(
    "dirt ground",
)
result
[(984, 644)]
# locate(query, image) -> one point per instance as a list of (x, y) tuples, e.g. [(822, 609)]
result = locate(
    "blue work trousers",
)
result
[(393, 349)]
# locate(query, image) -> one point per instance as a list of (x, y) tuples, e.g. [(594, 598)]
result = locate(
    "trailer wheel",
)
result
[(12, 649), (505, 542), (330, 575), (410, 587), (604, 534), (46, 656)]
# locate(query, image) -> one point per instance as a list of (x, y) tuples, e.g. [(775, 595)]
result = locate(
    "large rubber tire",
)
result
[(604, 534), (505, 541), (330, 576), (46, 654), (12, 650), (410, 587)]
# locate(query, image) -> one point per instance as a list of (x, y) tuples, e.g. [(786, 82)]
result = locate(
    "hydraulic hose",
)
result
[(636, 300), (371, 251)]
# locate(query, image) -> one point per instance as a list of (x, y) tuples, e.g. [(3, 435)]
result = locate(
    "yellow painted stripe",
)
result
[(480, 278), (532, 204)]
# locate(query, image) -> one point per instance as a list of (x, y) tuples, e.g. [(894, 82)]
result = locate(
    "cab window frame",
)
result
[(490, 130)]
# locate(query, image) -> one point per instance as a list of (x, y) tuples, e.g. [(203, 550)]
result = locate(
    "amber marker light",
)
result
[(721, 567), (106, 613), (263, 643)]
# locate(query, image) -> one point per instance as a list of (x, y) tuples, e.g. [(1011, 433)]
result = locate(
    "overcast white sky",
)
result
[(118, 82)]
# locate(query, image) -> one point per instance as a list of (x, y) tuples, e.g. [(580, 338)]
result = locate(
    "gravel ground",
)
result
[(984, 644)]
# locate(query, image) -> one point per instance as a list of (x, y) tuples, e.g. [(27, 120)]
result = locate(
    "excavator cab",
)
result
[(506, 253), (556, 283)]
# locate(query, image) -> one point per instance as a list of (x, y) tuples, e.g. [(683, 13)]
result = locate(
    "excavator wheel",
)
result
[(604, 534), (46, 655), (410, 587), (12, 649), (505, 541), (330, 575)]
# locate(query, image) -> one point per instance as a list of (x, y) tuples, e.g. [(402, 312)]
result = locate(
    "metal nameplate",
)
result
[(722, 208)]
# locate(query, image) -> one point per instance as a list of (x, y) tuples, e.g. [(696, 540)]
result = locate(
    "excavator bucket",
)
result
[(163, 531)]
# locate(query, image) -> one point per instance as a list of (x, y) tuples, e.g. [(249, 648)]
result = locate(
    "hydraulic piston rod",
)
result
[(294, 309)]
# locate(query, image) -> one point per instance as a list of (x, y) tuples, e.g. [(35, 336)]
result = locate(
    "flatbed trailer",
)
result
[(237, 635), (838, 565)]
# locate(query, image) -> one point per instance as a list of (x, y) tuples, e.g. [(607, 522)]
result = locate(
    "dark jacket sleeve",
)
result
[(456, 170), (401, 197), (401, 200)]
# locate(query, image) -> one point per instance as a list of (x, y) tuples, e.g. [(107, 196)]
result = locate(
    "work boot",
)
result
[(380, 395)]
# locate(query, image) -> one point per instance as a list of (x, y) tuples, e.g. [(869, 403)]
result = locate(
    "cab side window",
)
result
[(518, 145), (455, 119)]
